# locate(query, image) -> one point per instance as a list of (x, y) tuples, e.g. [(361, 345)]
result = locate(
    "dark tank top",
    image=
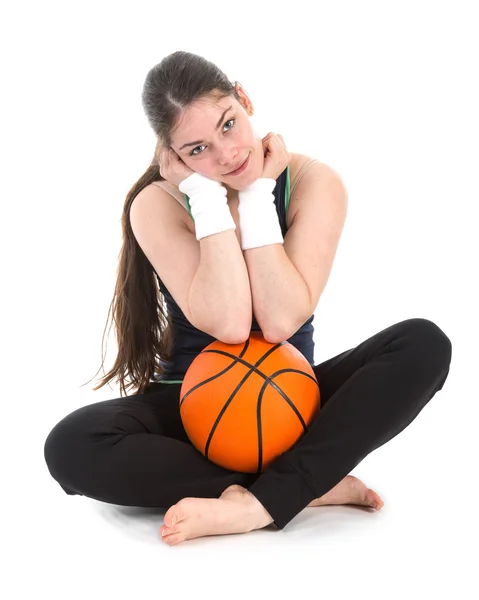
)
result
[(188, 341)]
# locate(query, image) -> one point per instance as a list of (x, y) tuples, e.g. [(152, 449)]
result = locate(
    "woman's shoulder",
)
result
[(298, 165), (299, 162), (172, 190), (163, 193)]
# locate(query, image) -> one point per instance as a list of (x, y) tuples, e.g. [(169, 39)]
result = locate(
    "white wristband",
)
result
[(258, 218), (209, 205)]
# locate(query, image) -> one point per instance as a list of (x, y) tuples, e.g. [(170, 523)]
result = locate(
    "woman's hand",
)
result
[(276, 156), (172, 168)]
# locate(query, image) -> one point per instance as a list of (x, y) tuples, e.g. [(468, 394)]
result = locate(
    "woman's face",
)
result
[(213, 142)]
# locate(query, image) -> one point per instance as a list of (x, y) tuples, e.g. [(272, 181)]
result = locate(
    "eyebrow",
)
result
[(217, 125)]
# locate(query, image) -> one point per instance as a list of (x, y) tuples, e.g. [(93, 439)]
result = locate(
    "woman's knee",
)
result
[(61, 445), (434, 337), (74, 442), (76, 447), (429, 341)]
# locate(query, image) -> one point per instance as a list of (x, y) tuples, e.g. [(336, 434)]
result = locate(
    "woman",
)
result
[(231, 252)]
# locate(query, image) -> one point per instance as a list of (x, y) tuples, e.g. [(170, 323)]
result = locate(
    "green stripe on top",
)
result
[(188, 205), (286, 197)]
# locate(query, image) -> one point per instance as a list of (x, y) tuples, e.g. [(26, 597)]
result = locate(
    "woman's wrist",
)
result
[(258, 218)]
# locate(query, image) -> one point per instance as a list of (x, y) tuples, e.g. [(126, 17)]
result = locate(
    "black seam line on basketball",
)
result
[(252, 369), (237, 359), (268, 381), (230, 366)]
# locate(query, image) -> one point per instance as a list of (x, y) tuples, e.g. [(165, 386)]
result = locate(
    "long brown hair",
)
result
[(143, 327)]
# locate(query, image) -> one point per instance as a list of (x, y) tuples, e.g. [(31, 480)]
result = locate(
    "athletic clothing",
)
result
[(134, 451), (190, 341)]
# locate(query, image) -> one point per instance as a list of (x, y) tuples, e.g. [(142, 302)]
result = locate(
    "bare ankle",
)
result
[(260, 516)]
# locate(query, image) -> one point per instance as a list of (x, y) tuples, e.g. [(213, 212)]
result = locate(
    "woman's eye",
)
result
[(192, 153)]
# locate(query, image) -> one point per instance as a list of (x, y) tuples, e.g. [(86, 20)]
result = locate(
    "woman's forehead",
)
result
[(202, 116)]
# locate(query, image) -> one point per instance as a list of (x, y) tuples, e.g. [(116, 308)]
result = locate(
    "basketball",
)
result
[(243, 405)]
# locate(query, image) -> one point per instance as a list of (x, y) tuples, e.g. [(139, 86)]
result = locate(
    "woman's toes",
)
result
[(164, 530), (173, 515), (373, 499), (171, 540)]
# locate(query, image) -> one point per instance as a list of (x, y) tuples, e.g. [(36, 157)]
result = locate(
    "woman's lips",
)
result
[(240, 169)]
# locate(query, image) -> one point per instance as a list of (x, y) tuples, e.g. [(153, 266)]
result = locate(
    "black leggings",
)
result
[(134, 451)]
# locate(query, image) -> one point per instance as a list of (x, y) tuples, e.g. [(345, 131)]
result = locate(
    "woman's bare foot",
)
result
[(236, 511), (350, 490)]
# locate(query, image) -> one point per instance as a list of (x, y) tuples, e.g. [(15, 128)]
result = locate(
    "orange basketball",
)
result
[(243, 405)]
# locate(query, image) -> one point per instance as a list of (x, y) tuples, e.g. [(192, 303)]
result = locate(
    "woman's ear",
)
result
[(245, 99)]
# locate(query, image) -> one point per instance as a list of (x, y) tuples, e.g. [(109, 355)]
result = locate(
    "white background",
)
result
[(384, 92)]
